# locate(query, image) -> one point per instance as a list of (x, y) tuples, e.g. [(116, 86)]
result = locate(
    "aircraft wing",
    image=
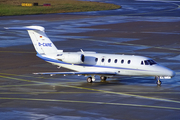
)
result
[(76, 73)]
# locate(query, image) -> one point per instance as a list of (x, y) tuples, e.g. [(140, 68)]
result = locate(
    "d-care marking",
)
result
[(45, 44)]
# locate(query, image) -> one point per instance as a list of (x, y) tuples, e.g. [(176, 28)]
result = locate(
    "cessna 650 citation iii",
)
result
[(92, 63)]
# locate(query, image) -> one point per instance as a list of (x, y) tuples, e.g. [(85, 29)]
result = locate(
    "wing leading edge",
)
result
[(76, 73)]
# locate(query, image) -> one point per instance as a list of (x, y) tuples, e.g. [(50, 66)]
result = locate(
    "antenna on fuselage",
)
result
[(82, 51)]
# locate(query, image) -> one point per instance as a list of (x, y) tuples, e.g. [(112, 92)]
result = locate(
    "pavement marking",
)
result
[(90, 102), (5, 86), (16, 52), (21, 75), (47, 92), (121, 43), (153, 92), (23, 80), (126, 94), (97, 90), (79, 92)]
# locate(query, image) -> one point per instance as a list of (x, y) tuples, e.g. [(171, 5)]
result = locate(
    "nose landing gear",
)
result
[(158, 81)]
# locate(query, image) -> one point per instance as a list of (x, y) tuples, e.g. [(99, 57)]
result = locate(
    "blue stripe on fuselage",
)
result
[(61, 62)]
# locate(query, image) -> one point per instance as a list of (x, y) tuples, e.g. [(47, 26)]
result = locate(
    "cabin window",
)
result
[(122, 61), (96, 59), (115, 61), (129, 61), (109, 60), (102, 60)]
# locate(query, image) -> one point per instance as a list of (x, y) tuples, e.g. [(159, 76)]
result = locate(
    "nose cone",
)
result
[(167, 72), (173, 73)]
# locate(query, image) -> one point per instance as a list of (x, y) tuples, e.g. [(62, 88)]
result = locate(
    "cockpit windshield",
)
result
[(151, 62), (148, 62)]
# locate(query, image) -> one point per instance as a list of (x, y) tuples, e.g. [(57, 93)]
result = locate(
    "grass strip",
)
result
[(13, 7)]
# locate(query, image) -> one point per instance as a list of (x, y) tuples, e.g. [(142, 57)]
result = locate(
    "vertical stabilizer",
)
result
[(42, 44)]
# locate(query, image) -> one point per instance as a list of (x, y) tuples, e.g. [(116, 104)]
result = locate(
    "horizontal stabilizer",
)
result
[(40, 28)]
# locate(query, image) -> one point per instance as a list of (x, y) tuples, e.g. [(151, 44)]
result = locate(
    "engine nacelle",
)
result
[(73, 58)]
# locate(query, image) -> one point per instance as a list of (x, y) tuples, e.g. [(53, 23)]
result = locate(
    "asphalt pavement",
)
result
[(147, 28)]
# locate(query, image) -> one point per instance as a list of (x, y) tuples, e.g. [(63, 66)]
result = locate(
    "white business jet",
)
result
[(91, 64)]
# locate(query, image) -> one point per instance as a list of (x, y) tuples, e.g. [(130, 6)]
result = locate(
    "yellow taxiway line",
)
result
[(79, 92), (97, 90), (90, 102), (5, 93)]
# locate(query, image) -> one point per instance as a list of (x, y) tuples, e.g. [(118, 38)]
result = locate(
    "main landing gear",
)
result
[(158, 81), (89, 80), (92, 79), (103, 78)]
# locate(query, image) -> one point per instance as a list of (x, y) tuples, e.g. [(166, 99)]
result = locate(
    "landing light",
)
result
[(165, 77)]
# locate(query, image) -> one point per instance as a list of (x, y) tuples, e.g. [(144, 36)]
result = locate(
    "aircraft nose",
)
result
[(166, 71), (170, 72), (173, 73)]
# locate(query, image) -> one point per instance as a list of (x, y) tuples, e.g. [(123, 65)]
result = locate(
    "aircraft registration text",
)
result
[(45, 44)]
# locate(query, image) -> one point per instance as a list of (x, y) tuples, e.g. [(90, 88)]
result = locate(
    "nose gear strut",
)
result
[(158, 80)]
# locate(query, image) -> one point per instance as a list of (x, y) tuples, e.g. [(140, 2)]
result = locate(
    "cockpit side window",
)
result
[(142, 63)]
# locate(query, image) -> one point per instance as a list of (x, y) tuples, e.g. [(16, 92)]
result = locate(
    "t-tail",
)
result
[(42, 44)]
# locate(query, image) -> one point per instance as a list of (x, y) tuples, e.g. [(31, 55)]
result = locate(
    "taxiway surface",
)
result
[(27, 96)]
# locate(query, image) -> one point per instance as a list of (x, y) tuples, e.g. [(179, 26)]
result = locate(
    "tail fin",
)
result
[(42, 44)]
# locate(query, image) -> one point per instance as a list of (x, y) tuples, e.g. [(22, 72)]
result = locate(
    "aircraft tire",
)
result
[(103, 78), (89, 79)]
